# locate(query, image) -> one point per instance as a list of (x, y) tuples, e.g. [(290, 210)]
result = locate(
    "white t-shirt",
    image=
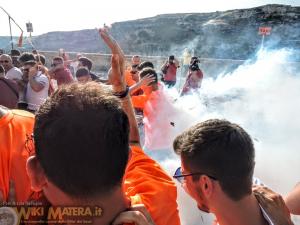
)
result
[(33, 98), (14, 74)]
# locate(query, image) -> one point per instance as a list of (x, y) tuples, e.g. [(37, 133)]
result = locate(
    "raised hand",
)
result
[(273, 204), (117, 78)]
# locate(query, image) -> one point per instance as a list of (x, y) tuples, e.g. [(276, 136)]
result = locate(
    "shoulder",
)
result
[(14, 73), (24, 115), (16, 69), (42, 77)]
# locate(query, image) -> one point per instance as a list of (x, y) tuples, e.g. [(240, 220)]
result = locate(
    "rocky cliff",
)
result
[(230, 34)]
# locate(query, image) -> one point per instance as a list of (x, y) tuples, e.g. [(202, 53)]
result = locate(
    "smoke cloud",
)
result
[(262, 96)]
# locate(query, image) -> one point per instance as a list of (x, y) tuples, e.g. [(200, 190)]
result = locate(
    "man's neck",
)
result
[(246, 211), (109, 206)]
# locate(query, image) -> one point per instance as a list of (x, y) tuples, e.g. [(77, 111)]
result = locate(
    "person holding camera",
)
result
[(169, 70), (194, 77)]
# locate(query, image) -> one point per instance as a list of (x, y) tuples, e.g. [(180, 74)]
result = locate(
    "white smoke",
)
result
[(262, 96)]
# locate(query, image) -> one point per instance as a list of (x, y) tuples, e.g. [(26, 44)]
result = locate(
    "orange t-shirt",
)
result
[(139, 101), (128, 78), (147, 183), (15, 128)]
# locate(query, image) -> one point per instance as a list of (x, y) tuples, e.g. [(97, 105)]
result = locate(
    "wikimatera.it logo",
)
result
[(39, 214)]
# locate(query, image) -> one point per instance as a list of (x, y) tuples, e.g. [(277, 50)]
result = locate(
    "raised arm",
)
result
[(146, 80), (117, 80), (35, 85), (292, 200)]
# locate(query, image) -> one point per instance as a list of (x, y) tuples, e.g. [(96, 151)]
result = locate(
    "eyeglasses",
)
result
[(180, 177), (4, 61)]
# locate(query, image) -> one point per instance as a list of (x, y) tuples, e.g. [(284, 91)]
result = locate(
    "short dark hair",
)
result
[(220, 149), (145, 64), (171, 57), (82, 72), (149, 71), (86, 62), (82, 140), (30, 63), (40, 58), (26, 56), (15, 52)]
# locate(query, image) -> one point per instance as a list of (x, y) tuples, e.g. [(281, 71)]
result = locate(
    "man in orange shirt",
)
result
[(131, 74), (159, 113), (16, 127), (83, 157)]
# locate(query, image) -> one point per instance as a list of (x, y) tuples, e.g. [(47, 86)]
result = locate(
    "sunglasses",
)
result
[(180, 177), (133, 72), (4, 61)]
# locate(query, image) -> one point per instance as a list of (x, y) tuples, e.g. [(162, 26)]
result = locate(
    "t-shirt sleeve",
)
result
[(43, 79), (156, 189), (14, 74)]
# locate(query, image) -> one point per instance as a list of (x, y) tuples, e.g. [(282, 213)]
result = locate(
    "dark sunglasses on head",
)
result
[(180, 177), (134, 66), (4, 61)]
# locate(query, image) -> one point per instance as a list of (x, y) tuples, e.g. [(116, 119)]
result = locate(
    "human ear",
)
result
[(36, 174)]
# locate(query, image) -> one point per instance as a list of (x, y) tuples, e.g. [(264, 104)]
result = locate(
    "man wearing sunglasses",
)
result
[(217, 169), (11, 72), (131, 74)]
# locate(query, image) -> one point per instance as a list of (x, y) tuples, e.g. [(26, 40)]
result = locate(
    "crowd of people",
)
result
[(75, 141)]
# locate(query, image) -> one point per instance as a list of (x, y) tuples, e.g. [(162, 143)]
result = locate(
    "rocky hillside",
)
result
[(229, 34)]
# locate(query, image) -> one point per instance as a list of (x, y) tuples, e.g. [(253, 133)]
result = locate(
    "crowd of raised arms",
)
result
[(71, 139)]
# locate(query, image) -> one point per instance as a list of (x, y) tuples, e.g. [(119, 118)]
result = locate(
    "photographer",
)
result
[(194, 78), (169, 70)]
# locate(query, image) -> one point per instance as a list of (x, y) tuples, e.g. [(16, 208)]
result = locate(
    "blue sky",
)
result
[(60, 15)]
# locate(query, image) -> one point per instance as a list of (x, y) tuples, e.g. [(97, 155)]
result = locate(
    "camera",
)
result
[(171, 57), (194, 64)]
